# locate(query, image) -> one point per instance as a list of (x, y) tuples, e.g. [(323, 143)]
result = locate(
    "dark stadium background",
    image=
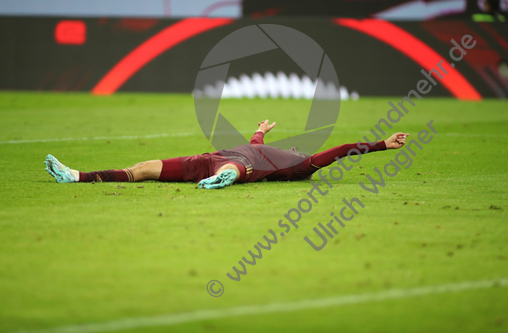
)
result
[(75, 53)]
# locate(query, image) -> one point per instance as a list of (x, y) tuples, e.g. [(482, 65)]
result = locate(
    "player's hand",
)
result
[(396, 141), (265, 126)]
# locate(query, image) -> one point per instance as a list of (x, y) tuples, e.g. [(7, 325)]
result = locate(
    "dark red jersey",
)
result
[(257, 161), (270, 163)]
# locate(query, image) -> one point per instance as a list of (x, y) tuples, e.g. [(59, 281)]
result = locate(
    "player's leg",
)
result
[(228, 166), (150, 170), (224, 176)]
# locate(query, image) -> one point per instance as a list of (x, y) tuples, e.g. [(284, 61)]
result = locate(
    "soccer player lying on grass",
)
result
[(243, 164)]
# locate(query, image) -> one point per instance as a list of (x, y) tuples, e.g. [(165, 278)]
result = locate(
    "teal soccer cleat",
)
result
[(225, 178), (56, 169)]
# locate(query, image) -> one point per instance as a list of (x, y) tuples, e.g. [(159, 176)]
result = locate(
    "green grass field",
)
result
[(73, 254)]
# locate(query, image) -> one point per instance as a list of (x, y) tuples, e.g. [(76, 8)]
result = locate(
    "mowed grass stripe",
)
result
[(169, 135), (180, 318)]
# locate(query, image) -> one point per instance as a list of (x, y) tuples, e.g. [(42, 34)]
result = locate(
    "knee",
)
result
[(229, 166), (140, 171), (149, 170), (138, 165)]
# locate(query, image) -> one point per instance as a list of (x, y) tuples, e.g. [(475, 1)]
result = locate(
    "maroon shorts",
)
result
[(171, 170), (194, 168)]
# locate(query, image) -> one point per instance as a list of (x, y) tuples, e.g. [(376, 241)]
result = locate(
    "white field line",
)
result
[(180, 318), (95, 138), (169, 135)]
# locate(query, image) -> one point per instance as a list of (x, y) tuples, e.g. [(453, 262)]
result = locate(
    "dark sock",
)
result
[(124, 175)]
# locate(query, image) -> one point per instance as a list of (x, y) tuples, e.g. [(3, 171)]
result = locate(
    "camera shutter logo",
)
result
[(252, 40)]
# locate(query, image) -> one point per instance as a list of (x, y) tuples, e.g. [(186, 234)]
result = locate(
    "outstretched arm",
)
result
[(264, 127), (327, 157)]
